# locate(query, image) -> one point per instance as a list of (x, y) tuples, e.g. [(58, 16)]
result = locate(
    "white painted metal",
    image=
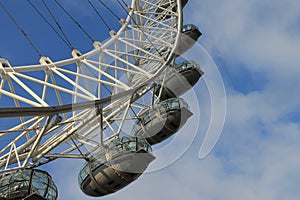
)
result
[(121, 70)]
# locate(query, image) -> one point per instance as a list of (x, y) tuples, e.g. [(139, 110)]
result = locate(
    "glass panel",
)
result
[(189, 27), (40, 177), (18, 189), (4, 180), (133, 146), (83, 173), (22, 175), (39, 187), (52, 193), (3, 191)]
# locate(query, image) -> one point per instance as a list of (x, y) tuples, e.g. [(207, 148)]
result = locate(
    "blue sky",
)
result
[(255, 46)]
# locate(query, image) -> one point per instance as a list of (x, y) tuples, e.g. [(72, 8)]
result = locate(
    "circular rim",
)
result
[(10, 164)]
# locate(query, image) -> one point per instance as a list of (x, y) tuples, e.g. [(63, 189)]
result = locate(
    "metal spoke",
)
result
[(54, 106)]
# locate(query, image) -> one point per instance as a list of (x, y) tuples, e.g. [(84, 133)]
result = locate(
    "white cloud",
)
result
[(263, 35)]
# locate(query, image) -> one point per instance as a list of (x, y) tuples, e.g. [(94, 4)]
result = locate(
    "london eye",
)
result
[(77, 108)]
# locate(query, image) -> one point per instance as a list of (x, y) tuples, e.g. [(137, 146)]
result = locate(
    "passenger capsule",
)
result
[(188, 37), (112, 168), (165, 4), (27, 184), (179, 80), (158, 123)]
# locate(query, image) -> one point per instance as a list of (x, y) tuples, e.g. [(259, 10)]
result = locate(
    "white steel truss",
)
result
[(72, 107)]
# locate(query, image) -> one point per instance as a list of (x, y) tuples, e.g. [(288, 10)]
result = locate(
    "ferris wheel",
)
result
[(107, 106)]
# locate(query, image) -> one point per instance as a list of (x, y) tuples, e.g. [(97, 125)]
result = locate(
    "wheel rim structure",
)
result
[(69, 108)]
